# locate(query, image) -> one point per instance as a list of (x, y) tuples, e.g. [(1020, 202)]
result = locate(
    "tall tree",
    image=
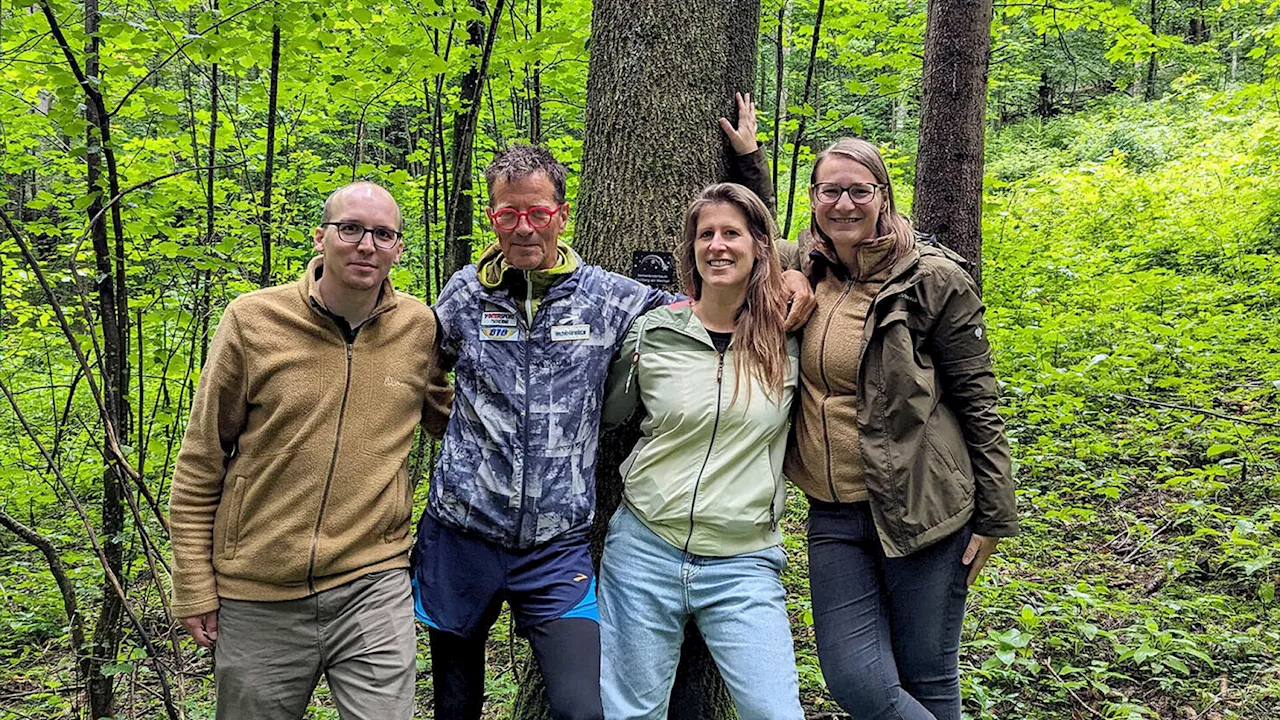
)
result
[(1150, 90), (661, 73), (113, 314), (268, 173), (948, 193), (459, 219)]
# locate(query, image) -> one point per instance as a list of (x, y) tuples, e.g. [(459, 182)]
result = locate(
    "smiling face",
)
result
[(723, 249), (525, 247), (362, 266), (845, 222)]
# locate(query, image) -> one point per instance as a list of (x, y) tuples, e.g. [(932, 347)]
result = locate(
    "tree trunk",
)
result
[(804, 119), (661, 72), (1044, 94), (1150, 91), (782, 53), (264, 275), (535, 102), (948, 192), (107, 631), (459, 214)]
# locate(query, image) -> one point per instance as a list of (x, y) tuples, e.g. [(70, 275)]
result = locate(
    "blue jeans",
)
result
[(649, 590), (887, 629)]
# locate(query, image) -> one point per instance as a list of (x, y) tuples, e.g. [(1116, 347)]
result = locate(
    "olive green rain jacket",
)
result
[(934, 453)]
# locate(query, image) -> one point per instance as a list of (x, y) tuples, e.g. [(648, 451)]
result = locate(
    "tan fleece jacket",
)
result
[(292, 476), (825, 459)]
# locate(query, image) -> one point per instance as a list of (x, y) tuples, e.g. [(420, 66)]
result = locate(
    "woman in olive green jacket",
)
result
[(898, 445)]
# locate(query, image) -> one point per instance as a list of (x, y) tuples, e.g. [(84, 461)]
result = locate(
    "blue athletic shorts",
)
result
[(460, 580)]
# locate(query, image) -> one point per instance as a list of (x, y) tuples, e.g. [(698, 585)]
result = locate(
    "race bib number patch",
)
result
[(561, 333), (498, 319), (499, 334)]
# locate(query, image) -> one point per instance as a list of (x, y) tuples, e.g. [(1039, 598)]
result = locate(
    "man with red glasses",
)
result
[(531, 330)]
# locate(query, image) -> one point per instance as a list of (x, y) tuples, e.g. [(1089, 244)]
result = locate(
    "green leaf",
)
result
[(1218, 450)]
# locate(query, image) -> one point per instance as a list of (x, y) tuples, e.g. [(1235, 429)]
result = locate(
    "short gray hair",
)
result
[(518, 161)]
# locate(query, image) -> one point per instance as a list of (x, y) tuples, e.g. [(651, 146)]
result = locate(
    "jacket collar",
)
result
[(309, 285), (497, 279)]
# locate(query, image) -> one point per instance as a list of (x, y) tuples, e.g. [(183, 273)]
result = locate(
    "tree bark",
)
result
[(949, 159), (661, 73)]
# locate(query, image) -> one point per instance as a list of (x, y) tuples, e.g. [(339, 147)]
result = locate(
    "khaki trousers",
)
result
[(269, 655)]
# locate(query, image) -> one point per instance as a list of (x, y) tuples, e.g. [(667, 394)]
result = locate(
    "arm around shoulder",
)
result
[(438, 402), (622, 388)]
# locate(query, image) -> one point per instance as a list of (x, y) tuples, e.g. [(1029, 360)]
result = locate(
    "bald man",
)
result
[(291, 498)]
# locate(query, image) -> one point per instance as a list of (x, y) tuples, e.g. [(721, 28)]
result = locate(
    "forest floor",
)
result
[(1132, 276)]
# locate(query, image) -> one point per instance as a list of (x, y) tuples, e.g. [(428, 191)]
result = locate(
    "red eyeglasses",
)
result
[(509, 218)]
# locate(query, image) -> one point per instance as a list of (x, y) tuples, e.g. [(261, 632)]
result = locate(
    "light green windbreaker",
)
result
[(706, 474)]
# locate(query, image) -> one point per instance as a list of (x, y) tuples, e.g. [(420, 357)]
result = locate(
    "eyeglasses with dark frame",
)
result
[(539, 217), (859, 193), (354, 232)]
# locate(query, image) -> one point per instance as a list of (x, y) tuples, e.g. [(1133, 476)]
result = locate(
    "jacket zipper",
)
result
[(528, 297), (822, 352), (528, 313), (524, 430), (328, 481), (693, 505)]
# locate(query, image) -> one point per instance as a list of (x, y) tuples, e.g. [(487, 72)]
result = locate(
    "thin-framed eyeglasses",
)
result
[(859, 193), (354, 232), (539, 217)]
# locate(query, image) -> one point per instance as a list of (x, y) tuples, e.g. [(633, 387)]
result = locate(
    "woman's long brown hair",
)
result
[(759, 339)]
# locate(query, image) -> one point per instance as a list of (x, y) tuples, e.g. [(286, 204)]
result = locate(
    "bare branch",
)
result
[(1189, 408)]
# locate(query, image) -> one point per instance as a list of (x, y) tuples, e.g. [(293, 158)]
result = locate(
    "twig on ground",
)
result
[(1048, 663), (1150, 537), (1189, 408)]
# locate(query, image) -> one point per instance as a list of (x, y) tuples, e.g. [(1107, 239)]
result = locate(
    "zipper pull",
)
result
[(720, 369), (773, 516)]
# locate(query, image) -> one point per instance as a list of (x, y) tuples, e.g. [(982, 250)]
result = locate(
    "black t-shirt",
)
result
[(720, 340)]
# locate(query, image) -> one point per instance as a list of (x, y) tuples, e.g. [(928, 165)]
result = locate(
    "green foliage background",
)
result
[(1130, 259)]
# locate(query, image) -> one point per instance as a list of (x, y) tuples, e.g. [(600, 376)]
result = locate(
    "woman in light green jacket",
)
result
[(697, 537)]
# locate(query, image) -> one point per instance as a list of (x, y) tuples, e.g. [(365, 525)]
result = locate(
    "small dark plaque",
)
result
[(653, 267)]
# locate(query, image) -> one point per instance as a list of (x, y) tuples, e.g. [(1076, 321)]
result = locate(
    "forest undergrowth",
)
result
[(1132, 276)]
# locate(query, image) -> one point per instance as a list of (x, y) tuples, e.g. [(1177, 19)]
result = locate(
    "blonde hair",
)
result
[(759, 339), (890, 224)]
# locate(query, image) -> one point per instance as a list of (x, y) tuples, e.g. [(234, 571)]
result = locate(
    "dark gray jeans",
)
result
[(888, 629), (269, 655)]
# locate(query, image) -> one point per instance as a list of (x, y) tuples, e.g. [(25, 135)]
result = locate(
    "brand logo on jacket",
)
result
[(560, 333), (497, 319), (389, 381), (499, 334)]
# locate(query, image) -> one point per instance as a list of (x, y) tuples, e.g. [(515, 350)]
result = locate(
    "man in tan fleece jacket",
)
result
[(291, 499)]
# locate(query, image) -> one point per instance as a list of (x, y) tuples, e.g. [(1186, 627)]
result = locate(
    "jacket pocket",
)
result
[(231, 536), (401, 504), (955, 488)]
